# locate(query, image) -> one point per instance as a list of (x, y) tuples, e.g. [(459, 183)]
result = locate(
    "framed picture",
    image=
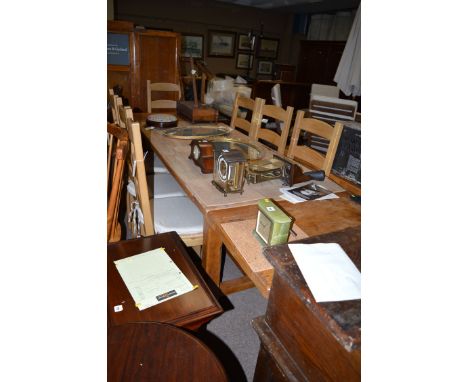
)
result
[(268, 48), (265, 67), (244, 61), (221, 44), (192, 46), (244, 42)]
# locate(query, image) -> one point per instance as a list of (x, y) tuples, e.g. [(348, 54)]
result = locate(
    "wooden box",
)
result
[(303, 340), (197, 114)]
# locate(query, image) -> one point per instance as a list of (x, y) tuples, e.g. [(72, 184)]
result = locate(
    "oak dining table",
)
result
[(228, 219)]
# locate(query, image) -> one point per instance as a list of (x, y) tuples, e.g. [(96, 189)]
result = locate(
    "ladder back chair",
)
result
[(164, 101), (307, 155), (172, 213), (239, 122), (115, 102), (166, 184), (116, 164), (283, 116)]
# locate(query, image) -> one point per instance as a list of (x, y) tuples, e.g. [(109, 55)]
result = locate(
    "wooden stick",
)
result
[(194, 84), (203, 81)]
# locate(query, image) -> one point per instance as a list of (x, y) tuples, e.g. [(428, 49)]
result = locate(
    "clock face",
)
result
[(287, 169), (222, 168), (196, 152)]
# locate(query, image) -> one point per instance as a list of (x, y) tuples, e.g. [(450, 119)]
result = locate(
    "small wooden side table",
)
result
[(159, 352), (190, 310)]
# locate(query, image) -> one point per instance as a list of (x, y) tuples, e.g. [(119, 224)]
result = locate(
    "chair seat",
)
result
[(178, 214), (164, 184), (158, 165)]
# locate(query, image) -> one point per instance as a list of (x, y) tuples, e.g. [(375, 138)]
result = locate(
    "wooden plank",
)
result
[(236, 285)]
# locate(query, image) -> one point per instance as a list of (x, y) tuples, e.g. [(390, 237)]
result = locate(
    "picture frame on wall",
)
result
[(243, 59), (244, 42), (268, 48), (221, 43), (265, 67), (192, 45)]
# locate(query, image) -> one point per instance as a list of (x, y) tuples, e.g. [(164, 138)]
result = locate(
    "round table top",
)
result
[(159, 352)]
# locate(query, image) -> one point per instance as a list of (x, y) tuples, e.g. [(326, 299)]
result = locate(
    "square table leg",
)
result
[(212, 254)]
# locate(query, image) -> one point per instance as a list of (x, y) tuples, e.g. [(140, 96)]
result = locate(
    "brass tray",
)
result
[(197, 132), (250, 151)]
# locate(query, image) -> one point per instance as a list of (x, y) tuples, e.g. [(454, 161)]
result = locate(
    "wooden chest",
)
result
[(302, 340), (197, 114)]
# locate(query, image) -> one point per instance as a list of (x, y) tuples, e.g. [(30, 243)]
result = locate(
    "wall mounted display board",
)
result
[(221, 43), (244, 61), (268, 48), (118, 51), (192, 46), (120, 57), (265, 67), (244, 42)]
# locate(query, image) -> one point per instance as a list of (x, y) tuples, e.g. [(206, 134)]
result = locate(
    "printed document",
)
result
[(152, 277), (303, 192), (328, 271)]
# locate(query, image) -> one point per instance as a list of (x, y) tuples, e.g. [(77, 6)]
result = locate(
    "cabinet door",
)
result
[(157, 55), (318, 61), (335, 51)]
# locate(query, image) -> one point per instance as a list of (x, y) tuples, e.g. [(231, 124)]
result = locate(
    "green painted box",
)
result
[(273, 224)]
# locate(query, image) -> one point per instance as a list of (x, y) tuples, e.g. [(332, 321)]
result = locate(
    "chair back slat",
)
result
[(282, 116), (116, 102), (307, 155), (237, 121), (166, 97)]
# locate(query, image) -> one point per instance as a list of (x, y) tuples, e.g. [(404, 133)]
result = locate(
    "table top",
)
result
[(159, 352), (313, 218), (342, 318), (175, 153), (189, 310)]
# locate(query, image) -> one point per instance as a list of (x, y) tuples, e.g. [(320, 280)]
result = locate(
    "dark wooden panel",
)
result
[(159, 352), (318, 61), (121, 78), (292, 93)]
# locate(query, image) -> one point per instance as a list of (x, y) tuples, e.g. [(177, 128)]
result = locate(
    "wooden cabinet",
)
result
[(318, 61), (156, 54), (302, 340), (153, 55)]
